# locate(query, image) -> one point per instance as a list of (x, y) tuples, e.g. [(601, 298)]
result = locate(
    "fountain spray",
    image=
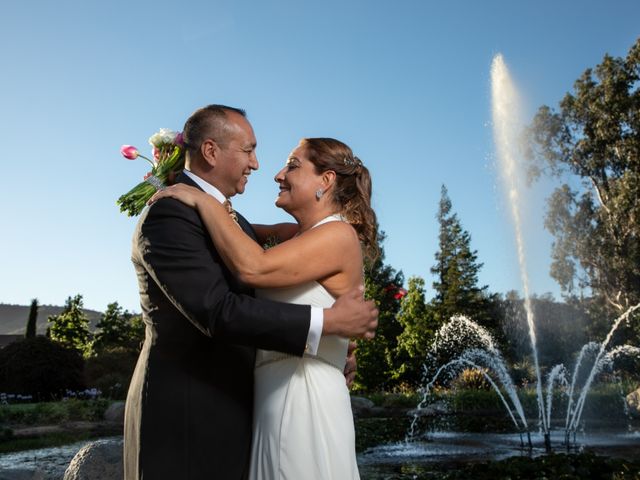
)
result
[(506, 130)]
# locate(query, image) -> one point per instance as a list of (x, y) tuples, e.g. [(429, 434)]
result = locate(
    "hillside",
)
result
[(13, 318)]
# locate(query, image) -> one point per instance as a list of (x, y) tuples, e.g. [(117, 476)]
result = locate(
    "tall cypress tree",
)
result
[(33, 318), (456, 270)]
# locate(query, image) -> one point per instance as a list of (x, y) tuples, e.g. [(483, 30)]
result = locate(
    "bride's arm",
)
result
[(279, 232), (318, 253)]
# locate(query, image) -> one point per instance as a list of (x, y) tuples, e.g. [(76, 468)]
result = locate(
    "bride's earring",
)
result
[(319, 194)]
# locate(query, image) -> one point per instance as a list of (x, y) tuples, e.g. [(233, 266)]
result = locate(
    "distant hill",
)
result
[(13, 318)]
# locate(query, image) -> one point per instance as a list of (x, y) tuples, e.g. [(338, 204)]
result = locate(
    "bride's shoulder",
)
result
[(337, 231)]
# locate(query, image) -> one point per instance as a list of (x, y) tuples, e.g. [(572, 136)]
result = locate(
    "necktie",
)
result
[(230, 210)]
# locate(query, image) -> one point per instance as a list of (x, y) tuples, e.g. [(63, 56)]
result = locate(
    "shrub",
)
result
[(40, 367), (471, 379), (110, 372), (523, 373)]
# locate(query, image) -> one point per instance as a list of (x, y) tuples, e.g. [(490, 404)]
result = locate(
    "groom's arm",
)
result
[(176, 251)]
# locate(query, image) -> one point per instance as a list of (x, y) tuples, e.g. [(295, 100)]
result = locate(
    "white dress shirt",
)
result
[(317, 313)]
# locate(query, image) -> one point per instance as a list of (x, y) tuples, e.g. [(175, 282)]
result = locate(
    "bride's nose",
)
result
[(280, 176)]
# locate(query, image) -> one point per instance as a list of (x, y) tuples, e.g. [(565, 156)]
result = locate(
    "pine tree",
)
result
[(33, 318), (456, 270), (71, 327)]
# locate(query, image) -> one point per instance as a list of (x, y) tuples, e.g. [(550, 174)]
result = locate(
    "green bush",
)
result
[(41, 368), (51, 413), (110, 372), (472, 379)]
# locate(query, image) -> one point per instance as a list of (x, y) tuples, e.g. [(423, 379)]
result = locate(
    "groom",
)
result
[(189, 406)]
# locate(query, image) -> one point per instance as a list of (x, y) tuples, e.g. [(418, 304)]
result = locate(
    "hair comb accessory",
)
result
[(352, 162)]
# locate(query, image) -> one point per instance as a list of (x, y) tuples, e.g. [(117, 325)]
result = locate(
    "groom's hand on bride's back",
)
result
[(351, 316)]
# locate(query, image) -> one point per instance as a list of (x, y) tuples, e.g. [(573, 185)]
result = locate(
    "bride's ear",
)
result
[(210, 152), (328, 178)]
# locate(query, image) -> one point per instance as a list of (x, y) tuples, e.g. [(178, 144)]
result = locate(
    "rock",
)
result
[(115, 413), (433, 409), (97, 460), (633, 402), (21, 474), (360, 405)]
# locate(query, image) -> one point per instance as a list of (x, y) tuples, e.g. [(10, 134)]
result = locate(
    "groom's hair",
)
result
[(208, 122)]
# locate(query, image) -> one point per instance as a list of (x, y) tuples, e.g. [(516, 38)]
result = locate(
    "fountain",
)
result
[(484, 355)]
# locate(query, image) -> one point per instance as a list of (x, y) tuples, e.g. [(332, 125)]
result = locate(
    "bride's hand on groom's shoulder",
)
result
[(185, 193)]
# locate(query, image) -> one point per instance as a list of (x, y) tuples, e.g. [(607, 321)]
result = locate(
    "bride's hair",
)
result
[(352, 188)]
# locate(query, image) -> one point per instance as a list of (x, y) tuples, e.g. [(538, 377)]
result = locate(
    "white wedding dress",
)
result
[(303, 424)]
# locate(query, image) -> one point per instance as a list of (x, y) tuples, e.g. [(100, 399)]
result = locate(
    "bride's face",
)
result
[(298, 181)]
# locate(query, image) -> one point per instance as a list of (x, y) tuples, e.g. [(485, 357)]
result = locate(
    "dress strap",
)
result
[(336, 217)]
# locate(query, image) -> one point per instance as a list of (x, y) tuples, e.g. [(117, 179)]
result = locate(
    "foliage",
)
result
[(114, 351), (413, 342), (40, 367), (456, 270), (561, 466), (523, 373), (111, 371), (33, 318), (561, 329), (51, 413), (117, 329), (375, 356), (594, 138), (71, 327), (471, 378)]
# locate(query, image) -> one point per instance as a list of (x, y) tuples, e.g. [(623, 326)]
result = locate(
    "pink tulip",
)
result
[(179, 140), (129, 151)]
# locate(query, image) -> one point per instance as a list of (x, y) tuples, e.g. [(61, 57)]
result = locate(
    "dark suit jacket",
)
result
[(189, 406)]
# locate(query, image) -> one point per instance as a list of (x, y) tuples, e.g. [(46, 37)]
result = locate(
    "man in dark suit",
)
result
[(189, 406)]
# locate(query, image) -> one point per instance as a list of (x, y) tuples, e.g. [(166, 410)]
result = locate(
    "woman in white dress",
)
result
[(303, 425)]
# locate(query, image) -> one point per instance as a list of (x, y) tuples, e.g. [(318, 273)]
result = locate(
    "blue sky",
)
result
[(405, 84)]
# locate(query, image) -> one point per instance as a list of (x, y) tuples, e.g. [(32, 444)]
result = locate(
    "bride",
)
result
[(303, 425)]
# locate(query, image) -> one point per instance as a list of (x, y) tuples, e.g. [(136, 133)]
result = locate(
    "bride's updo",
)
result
[(352, 189)]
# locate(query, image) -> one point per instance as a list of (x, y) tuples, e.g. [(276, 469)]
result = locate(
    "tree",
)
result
[(33, 318), (594, 138), (114, 351), (71, 327), (413, 343), (116, 330), (375, 357), (456, 270)]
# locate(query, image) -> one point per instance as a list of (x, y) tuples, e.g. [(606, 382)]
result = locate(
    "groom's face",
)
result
[(237, 158)]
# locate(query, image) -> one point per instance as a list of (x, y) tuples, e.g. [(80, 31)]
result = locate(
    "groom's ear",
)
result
[(210, 152)]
